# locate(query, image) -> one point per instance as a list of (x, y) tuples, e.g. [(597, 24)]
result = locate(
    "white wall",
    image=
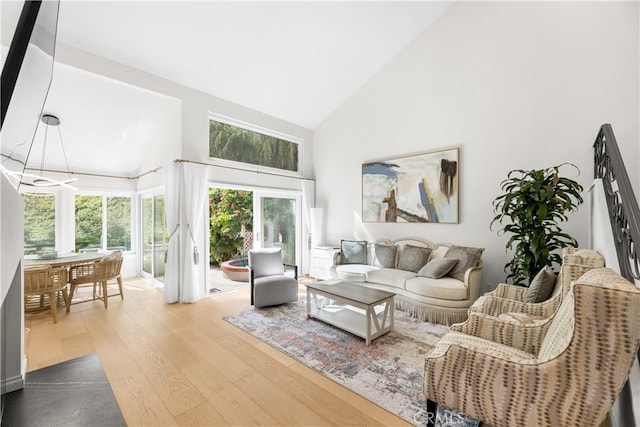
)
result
[(191, 142), (11, 288), (515, 85)]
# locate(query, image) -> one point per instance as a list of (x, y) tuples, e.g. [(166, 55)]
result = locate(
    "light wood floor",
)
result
[(182, 364)]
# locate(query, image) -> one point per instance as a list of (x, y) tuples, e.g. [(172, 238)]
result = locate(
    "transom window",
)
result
[(239, 144)]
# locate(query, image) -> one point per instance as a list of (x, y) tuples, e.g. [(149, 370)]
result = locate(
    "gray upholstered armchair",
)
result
[(269, 283)]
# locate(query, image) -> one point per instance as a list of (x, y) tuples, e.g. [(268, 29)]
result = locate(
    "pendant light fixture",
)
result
[(40, 180)]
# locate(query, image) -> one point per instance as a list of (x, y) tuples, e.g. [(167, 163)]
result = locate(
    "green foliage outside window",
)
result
[(88, 233), (242, 145), (229, 210), (119, 223), (88, 221), (39, 222)]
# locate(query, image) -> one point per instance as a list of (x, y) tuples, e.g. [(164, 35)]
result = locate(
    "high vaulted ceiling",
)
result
[(297, 61)]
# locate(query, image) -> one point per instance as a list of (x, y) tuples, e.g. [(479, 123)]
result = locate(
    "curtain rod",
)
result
[(101, 175), (257, 171)]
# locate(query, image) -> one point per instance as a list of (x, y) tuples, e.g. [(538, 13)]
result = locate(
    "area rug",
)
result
[(389, 372)]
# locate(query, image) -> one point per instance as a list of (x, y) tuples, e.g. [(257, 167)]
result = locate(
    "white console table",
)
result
[(322, 259)]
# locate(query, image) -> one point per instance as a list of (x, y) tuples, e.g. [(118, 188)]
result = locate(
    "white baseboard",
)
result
[(12, 384)]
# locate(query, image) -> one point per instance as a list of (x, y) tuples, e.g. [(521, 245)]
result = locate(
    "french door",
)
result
[(277, 222), (154, 237)]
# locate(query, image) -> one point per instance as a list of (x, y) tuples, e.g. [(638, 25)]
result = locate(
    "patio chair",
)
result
[(45, 283), (269, 283)]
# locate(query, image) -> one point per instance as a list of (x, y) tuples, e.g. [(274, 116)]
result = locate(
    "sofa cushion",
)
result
[(541, 286), (385, 255), (467, 258), (413, 258), (437, 267), (354, 272), (390, 277), (353, 252), (446, 288)]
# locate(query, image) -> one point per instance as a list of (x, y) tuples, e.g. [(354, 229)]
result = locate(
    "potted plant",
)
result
[(533, 205)]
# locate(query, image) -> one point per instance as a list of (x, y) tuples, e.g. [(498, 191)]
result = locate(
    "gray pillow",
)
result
[(385, 255), (541, 286), (353, 252), (413, 258), (437, 267), (467, 258)]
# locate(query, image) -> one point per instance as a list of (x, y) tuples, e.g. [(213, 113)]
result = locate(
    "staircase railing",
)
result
[(624, 215), (622, 204)]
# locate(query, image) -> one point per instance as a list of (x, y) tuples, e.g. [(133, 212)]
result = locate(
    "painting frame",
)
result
[(416, 188)]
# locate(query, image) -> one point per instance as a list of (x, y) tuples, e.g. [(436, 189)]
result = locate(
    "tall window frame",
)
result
[(262, 131), (31, 247), (104, 215), (153, 236)]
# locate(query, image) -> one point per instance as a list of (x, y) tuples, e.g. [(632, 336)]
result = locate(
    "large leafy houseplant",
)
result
[(533, 205)]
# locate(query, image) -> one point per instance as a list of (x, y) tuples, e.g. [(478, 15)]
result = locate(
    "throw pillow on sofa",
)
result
[(467, 257), (385, 255), (353, 252), (413, 258), (541, 286), (437, 268)]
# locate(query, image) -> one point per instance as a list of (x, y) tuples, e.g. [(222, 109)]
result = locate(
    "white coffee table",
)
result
[(362, 311)]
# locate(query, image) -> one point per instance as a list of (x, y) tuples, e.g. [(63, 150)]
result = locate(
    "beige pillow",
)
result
[(541, 286)]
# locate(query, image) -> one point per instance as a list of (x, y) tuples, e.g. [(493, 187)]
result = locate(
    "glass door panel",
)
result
[(160, 238), (154, 237), (147, 234), (276, 224)]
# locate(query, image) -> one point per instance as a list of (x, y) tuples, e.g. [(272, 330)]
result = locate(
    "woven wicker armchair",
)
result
[(101, 273), (41, 288), (573, 376)]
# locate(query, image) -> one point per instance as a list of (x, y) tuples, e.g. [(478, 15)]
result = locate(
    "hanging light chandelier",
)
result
[(40, 180)]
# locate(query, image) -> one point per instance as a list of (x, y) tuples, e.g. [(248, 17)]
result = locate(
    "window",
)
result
[(88, 222), (234, 143), (39, 222), (103, 220), (119, 223)]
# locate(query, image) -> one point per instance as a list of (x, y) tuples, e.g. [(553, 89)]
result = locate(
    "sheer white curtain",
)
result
[(172, 210), (194, 195)]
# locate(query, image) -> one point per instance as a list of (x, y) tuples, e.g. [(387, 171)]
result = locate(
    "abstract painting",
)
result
[(417, 188)]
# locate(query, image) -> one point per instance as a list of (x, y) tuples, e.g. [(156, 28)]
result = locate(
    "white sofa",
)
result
[(444, 300)]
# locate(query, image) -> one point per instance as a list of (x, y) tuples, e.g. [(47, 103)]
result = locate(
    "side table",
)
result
[(322, 259)]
